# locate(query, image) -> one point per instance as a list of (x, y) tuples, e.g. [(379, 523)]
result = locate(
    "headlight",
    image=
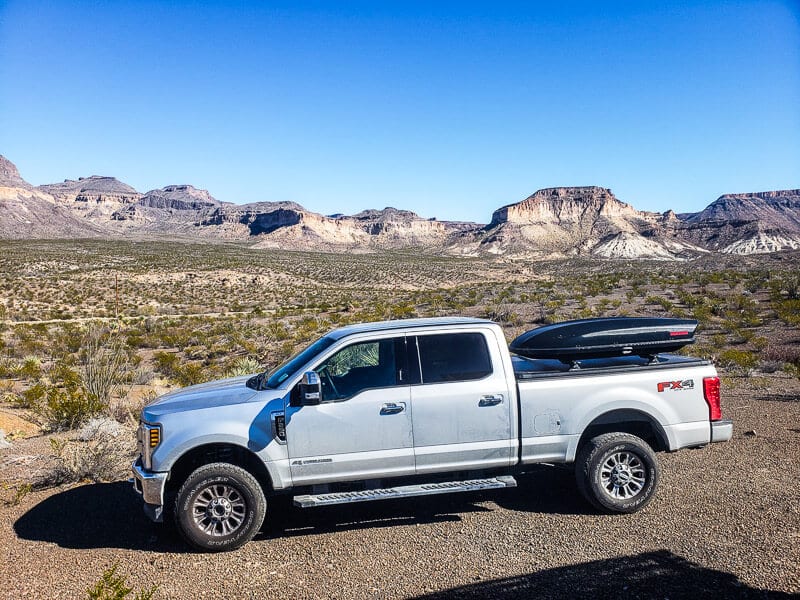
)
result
[(149, 437)]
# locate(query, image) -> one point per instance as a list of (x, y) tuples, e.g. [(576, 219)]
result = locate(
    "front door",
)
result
[(462, 405), (361, 429)]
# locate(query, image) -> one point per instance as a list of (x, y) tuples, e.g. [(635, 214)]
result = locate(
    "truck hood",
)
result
[(197, 397)]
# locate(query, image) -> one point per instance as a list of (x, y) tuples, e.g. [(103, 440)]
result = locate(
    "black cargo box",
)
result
[(596, 338)]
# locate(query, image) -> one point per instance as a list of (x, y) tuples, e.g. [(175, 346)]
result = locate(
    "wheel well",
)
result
[(629, 421), (211, 453)]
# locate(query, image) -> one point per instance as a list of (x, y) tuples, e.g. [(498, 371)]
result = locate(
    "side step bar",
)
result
[(405, 491)]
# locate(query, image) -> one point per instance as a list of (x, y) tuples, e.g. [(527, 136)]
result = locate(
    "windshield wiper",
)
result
[(256, 382)]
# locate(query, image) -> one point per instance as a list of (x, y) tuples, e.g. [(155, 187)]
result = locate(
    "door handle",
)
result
[(490, 400), (391, 408)]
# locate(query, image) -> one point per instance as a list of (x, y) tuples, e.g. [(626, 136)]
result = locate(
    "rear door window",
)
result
[(453, 357)]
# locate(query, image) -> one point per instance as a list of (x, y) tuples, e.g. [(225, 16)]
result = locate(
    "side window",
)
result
[(453, 357), (358, 367)]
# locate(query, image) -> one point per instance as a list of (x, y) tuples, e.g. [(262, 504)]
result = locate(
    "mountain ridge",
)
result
[(551, 222)]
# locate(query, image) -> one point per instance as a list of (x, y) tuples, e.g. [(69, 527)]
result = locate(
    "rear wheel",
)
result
[(617, 472), (219, 507)]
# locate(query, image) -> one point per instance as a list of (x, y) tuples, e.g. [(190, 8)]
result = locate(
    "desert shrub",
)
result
[(67, 407), (113, 586), (739, 335), (659, 301), (142, 376), (99, 428), (783, 353), (701, 313), (17, 493), (31, 339), (8, 368), (103, 364), (192, 373), (63, 374), (243, 366), (166, 362), (717, 307), (759, 342), (687, 298), (277, 330), (788, 311), (718, 340), (788, 356), (101, 451), (502, 313), (602, 306), (791, 283), (741, 360), (756, 282), (769, 366), (62, 402), (31, 397), (403, 310), (31, 368), (136, 339), (70, 340)]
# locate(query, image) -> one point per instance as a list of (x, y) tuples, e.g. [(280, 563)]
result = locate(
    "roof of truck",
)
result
[(404, 324)]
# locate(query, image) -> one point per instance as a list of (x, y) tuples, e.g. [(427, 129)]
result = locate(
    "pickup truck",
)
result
[(415, 407)]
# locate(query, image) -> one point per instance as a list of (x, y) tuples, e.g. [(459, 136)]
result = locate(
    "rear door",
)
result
[(462, 415)]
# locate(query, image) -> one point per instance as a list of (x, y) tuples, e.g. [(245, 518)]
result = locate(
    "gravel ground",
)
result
[(725, 523)]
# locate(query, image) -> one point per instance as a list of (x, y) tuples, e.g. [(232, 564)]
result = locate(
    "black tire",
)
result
[(219, 507), (617, 472)]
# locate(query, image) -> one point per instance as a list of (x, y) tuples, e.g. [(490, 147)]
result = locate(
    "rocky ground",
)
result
[(725, 523)]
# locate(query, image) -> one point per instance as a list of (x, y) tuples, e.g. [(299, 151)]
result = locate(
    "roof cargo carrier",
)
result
[(571, 341)]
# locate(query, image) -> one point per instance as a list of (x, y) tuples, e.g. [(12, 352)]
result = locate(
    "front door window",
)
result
[(359, 367)]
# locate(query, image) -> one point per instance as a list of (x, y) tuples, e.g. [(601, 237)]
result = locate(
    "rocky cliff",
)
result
[(368, 230), (171, 209), (553, 222), (94, 198), (28, 212), (179, 197), (569, 221), (752, 223)]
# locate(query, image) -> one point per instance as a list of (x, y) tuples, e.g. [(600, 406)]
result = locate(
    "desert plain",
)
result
[(90, 330)]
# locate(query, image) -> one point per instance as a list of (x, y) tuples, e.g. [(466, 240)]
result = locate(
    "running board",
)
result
[(405, 491)]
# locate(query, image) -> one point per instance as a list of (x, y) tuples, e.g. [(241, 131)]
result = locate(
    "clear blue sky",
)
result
[(448, 109)]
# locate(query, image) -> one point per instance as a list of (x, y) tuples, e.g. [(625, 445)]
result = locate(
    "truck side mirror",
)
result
[(310, 388)]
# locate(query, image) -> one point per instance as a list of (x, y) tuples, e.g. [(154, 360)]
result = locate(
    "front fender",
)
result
[(245, 425)]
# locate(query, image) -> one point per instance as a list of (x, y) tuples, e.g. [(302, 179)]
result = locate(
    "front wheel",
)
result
[(219, 507), (617, 472)]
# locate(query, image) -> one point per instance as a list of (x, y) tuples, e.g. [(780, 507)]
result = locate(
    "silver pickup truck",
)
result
[(415, 407)]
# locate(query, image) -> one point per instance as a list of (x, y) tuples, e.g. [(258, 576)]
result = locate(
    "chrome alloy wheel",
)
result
[(622, 475), (219, 510)]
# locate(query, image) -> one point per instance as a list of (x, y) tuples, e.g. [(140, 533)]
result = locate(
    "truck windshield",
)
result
[(286, 370)]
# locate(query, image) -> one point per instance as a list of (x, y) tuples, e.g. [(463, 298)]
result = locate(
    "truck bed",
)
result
[(526, 369)]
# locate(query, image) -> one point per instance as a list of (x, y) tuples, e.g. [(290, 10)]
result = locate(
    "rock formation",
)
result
[(553, 222), (568, 221), (28, 212), (747, 223), (94, 198)]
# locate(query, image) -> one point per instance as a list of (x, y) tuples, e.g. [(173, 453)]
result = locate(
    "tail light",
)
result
[(712, 396)]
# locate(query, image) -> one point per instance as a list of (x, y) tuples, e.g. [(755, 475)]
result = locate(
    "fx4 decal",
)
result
[(676, 385)]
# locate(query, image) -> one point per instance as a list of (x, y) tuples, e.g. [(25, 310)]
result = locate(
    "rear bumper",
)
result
[(722, 430), (148, 484)]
